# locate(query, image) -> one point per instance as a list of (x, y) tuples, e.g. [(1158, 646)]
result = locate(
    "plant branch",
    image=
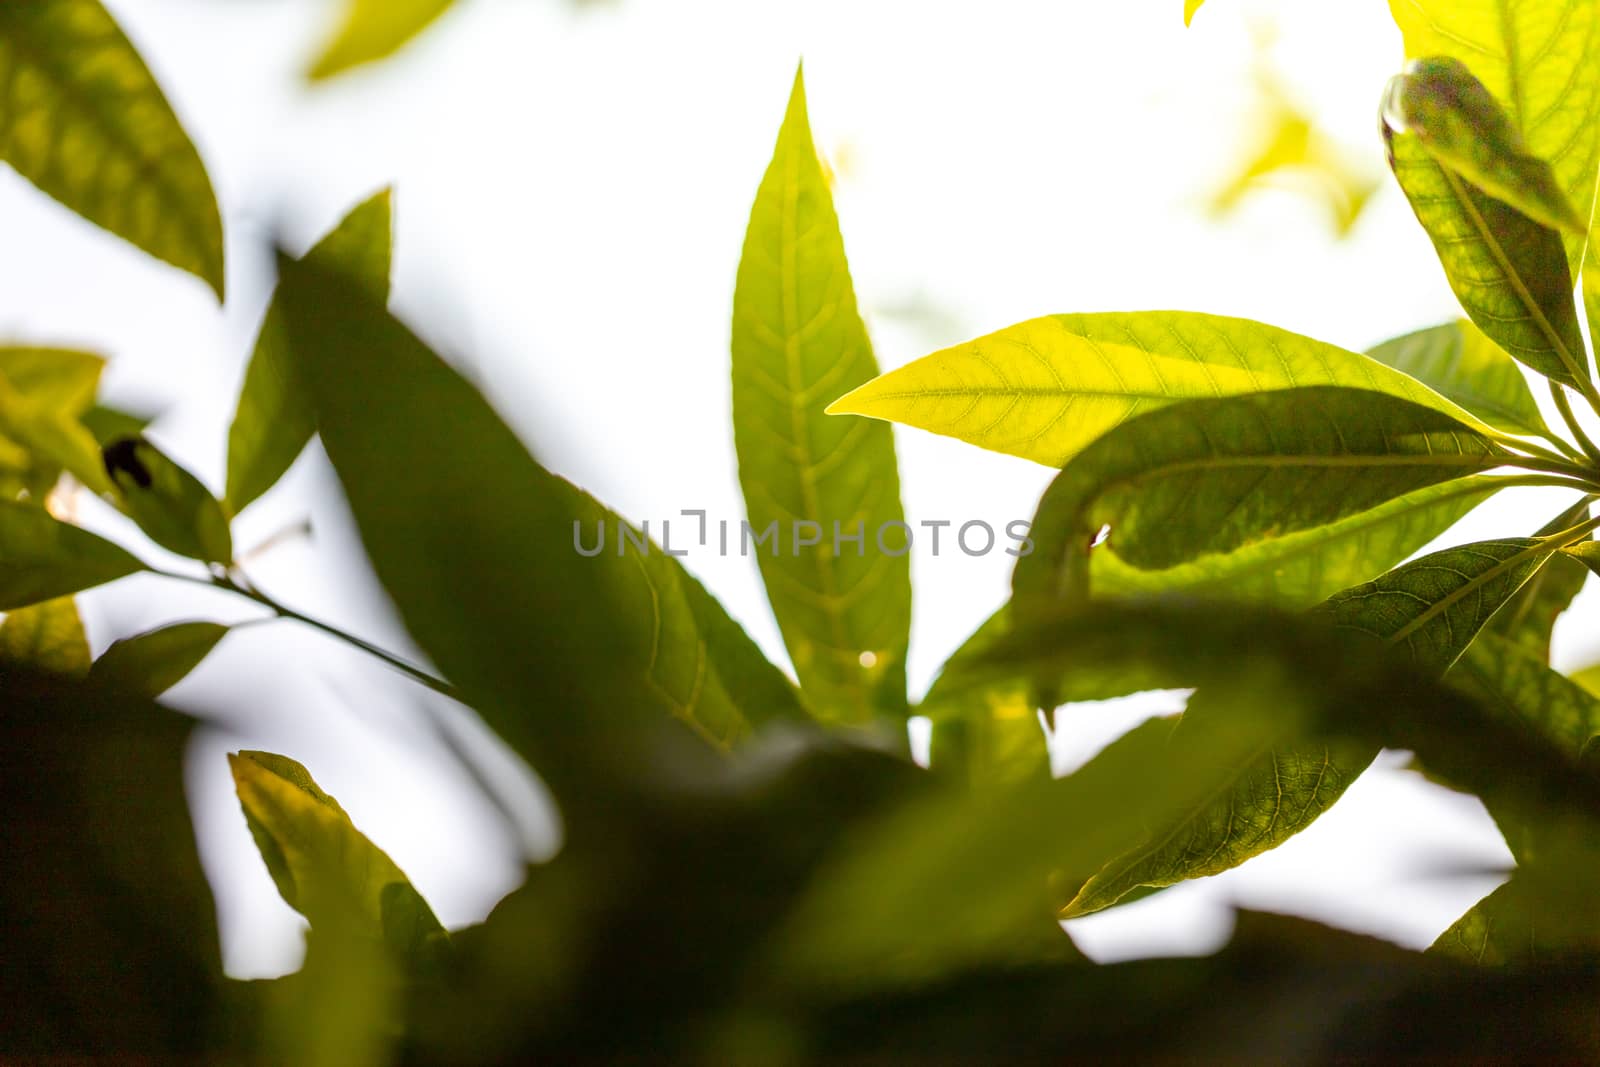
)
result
[(1563, 405)]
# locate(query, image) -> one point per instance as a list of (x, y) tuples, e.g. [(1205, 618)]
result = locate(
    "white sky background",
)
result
[(573, 187)]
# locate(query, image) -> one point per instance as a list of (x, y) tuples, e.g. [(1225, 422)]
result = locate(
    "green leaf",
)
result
[(107, 423), (1587, 553), (1302, 569), (1457, 121), (572, 659), (1045, 388), (42, 558), (1210, 477), (1508, 271), (60, 378), (85, 122), (274, 421), (53, 437), (798, 340), (1538, 61), (47, 636), (374, 29), (1460, 361), (1529, 618), (170, 505), (989, 736), (152, 662), (1530, 919), (1430, 608), (324, 867)]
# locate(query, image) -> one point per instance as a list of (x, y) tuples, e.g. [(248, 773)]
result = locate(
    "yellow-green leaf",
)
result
[(1538, 60), (373, 29), (1045, 388), (274, 420), (42, 558), (798, 340), (1459, 361), (1189, 8), (54, 437), (60, 378), (150, 663), (324, 867), (170, 505), (83, 120), (48, 636)]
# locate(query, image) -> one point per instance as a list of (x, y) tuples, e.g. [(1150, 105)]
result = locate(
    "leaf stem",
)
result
[(249, 592), (1563, 405)]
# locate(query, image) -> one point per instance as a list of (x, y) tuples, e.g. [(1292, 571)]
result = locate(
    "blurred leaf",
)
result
[(1300, 569), (798, 341), (53, 436), (47, 637), (989, 736), (170, 505), (107, 424), (1210, 477), (1538, 62), (109, 952), (150, 663), (1044, 389), (1459, 361), (58, 378), (1431, 608), (374, 29), (86, 123), (1460, 125), (324, 867), (572, 660), (1529, 618), (274, 419), (1189, 8), (42, 558), (1508, 271), (1529, 919)]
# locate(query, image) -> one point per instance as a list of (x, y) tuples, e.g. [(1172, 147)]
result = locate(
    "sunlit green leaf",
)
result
[(152, 662), (47, 636), (1210, 477), (85, 122), (1459, 123), (324, 867), (60, 378), (274, 420), (1537, 59), (1509, 272), (53, 437), (373, 29), (571, 654), (798, 342), (170, 505), (1431, 608), (1046, 388), (42, 558), (1459, 361)]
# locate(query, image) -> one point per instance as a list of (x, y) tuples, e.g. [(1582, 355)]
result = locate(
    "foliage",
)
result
[(753, 867)]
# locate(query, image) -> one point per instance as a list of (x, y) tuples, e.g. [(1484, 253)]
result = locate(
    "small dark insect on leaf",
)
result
[(122, 455)]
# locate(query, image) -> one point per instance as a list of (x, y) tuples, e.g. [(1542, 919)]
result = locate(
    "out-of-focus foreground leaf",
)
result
[(150, 663), (85, 122), (109, 950), (42, 557), (1509, 272), (1189, 9), (274, 420), (1210, 477), (373, 29), (572, 659), (46, 637), (1538, 62), (1045, 388), (798, 342), (1459, 361), (172, 506)]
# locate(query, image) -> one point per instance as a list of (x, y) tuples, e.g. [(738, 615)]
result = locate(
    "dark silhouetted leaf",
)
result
[(150, 663), (42, 558)]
